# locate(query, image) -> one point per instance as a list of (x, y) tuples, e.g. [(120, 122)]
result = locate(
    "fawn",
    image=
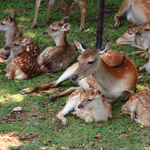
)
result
[(55, 59), (9, 26), (137, 37), (138, 106), (82, 4), (88, 105), (137, 12), (22, 64)]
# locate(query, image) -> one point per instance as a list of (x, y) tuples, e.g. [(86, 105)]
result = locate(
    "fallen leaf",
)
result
[(64, 148), (17, 108)]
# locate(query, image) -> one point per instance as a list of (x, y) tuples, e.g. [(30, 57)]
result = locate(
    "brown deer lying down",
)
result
[(82, 4), (9, 26), (147, 65), (115, 73), (88, 105), (55, 59), (117, 76), (137, 12), (138, 106), (22, 64), (138, 37)]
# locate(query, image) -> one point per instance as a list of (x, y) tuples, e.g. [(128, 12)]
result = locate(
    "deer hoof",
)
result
[(52, 98), (23, 91)]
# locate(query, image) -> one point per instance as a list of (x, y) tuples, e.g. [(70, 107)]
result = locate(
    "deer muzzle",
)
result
[(80, 106), (7, 48), (138, 34), (74, 77)]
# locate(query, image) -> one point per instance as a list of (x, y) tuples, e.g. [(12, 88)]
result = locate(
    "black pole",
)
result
[(100, 20)]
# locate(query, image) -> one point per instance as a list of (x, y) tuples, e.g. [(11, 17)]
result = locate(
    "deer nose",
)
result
[(44, 33), (80, 106), (74, 77), (138, 34), (7, 48)]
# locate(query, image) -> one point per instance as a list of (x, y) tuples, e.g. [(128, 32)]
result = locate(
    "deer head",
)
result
[(89, 61), (90, 98)]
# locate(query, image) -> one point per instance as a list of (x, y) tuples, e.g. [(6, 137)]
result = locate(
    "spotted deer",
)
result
[(114, 72), (9, 26), (82, 4), (28, 45), (86, 104), (138, 106), (138, 37), (55, 59), (147, 65), (22, 65), (137, 12)]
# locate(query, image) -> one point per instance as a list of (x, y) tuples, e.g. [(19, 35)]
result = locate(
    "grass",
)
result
[(37, 126)]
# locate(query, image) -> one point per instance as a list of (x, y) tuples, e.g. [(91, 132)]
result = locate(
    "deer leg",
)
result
[(82, 4), (145, 55), (50, 4), (136, 53), (124, 7), (36, 13), (143, 120), (125, 95), (142, 68), (131, 113), (70, 90), (65, 76), (67, 109), (69, 2)]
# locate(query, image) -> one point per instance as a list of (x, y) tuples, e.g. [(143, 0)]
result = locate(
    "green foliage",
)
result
[(37, 125)]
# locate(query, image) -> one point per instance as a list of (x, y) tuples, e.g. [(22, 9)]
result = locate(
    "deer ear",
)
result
[(14, 14), (104, 48), (19, 34), (9, 19), (65, 27), (79, 47), (97, 92), (65, 19)]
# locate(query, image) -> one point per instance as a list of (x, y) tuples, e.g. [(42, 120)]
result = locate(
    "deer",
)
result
[(88, 104), (114, 72), (137, 37), (138, 107), (23, 65), (137, 12), (82, 4), (147, 65), (9, 26), (55, 59)]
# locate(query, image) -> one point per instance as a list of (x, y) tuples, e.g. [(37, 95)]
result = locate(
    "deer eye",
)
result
[(89, 99), (2, 23), (15, 44), (54, 30), (90, 63), (146, 29)]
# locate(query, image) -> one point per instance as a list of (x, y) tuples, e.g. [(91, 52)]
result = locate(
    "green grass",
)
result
[(37, 125)]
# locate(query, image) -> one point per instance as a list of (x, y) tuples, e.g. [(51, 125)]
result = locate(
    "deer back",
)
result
[(27, 64)]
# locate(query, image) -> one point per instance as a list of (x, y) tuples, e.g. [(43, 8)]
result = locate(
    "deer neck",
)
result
[(60, 39), (15, 53), (11, 33)]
